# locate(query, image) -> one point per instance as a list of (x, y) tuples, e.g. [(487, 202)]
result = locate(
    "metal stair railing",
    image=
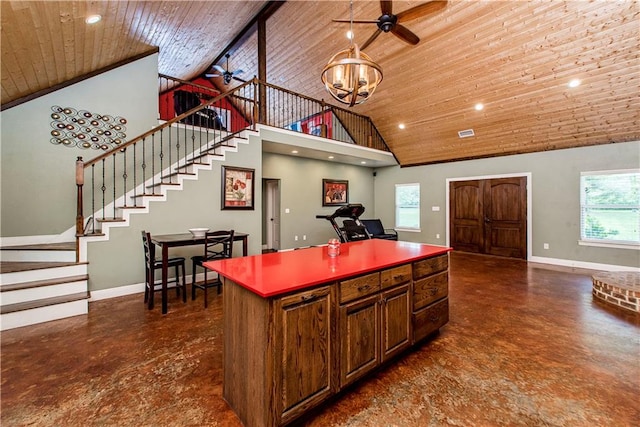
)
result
[(119, 178)]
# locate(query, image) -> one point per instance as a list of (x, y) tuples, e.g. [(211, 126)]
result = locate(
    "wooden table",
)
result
[(166, 241)]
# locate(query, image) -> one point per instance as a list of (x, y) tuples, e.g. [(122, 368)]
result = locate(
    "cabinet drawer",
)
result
[(430, 289), (360, 286), (430, 266), (395, 276), (430, 319)]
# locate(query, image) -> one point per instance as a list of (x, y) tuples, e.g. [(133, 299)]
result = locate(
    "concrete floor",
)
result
[(525, 346)]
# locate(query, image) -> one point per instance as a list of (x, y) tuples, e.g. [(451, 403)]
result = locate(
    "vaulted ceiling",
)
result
[(514, 57)]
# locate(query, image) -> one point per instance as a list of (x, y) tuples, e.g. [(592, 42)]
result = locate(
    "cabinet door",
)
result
[(396, 321), (305, 348), (359, 331)]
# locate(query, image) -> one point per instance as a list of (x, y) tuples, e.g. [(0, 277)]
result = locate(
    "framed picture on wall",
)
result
[(335, 192), (238, 188)]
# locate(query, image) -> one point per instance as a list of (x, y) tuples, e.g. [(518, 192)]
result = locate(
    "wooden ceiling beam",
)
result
[(269, 9)]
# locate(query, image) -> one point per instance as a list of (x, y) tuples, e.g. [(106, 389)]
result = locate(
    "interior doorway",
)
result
[(490, 216), (271, 214)]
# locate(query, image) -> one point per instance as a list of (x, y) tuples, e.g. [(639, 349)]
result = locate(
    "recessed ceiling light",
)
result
[(294, 151), (401, 126), (479, 106), (330, 157), (363, 162), (92, 19), (574, 83)]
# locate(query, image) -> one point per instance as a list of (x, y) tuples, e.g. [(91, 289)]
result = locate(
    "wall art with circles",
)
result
[(85, 129)]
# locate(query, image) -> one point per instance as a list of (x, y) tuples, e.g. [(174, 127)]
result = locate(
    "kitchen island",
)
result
[(299, 326)]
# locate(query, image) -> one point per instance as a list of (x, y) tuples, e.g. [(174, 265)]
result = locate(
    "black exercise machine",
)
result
[(352, 229)]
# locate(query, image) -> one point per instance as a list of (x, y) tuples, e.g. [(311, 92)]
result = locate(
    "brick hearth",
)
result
[(621, 289)]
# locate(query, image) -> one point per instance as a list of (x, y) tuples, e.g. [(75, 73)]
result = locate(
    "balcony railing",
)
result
[(198, 121)]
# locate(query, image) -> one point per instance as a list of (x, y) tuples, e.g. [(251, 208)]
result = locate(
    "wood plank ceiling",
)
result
[(515, 57)]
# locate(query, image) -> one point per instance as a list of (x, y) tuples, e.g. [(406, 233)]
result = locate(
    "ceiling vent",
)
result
[(466, 133)]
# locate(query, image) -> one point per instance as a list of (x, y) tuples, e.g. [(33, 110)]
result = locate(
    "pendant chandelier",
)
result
[(351, 76)]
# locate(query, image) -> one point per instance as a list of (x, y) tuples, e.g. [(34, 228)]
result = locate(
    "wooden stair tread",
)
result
[(95, 234), (17, 266), (28, 305), (60, 246), (148, 195), (177, 174), (45, 282), (110, 219)]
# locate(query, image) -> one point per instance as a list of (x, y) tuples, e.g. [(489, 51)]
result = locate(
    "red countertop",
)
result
[(277, 273)]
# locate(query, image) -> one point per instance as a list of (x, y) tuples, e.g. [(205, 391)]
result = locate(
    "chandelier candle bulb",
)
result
[(337, 77)]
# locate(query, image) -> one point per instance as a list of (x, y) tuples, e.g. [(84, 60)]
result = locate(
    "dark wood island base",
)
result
[(286, 353)]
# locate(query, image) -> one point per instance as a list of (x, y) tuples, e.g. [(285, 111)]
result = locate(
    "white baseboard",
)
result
[(136, 288), (582, 264), (120, 291)]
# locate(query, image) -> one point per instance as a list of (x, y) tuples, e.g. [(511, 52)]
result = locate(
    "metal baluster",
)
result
[(153, 183), (104, 187), (93, 198), (114, 182)]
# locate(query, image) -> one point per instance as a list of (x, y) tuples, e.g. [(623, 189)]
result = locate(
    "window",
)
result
[(408, 206), (610, 207)]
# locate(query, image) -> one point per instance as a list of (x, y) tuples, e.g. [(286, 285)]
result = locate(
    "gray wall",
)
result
[(555, 192), (301, 193), (38, 178), (38, 191), (119, 261)]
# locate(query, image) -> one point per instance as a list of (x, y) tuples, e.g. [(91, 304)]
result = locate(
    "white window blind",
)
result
[(408, 206), (610, 207)]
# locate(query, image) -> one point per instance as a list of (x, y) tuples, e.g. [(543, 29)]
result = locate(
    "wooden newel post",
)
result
[(323, 125), (256, 102), (79, 185)]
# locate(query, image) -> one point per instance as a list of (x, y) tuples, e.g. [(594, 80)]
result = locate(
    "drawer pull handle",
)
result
[(363, 288), (306, 298), (433, 291), (398, 277)]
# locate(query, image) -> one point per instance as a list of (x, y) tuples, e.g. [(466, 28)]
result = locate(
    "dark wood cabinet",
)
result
[(359, 332), (304, 350), (286, 354), (430, 296), (375, 324), (395, 332)]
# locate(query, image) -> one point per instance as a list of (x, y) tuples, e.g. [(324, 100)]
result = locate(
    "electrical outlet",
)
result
[(295, 238), (437, 236), (304, 237), (546, 246)]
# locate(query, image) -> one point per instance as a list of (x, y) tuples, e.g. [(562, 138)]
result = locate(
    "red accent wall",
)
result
[(167, 109)]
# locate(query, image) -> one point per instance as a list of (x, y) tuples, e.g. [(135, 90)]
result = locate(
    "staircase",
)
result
[(42, 282)]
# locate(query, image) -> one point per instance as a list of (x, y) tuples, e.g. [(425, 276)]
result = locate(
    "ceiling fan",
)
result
[(388, 22), (226, 75)]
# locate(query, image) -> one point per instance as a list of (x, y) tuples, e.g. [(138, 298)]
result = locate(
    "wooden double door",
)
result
[(489, 216)]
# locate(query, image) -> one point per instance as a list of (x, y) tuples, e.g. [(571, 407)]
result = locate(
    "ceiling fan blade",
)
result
[(386, 7), (357, 21), (237, 72), (218, 68), (210, 76), (421, 10), (239, 79), (405, 34), (371, 39)]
